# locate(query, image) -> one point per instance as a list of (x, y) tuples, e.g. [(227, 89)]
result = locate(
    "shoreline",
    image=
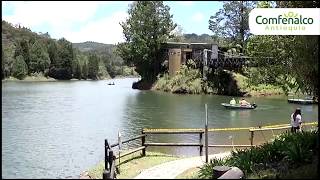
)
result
[(255, 94), (49, 79)]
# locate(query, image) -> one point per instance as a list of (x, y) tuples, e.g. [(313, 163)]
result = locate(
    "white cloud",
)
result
[(56, 13), (106, 30), (62, 16), (197, 17)]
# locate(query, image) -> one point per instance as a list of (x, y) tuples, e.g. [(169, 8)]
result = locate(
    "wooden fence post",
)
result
[(110, 158), (106, 159), (143, 140), (206, 133), (201, 144), (251, 139), (106, 174)]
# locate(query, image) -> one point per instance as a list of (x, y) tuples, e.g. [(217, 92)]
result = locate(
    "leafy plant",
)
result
[(206, 171)]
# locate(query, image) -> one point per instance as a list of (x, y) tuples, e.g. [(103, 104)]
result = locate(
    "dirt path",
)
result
[(170, 170)]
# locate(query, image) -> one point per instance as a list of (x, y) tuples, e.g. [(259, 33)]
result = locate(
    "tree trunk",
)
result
[(242, 28)]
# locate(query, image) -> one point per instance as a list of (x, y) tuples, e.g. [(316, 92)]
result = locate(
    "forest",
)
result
[(26, 53)]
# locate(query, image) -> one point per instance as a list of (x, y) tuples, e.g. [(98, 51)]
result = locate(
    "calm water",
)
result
[(57, 129)]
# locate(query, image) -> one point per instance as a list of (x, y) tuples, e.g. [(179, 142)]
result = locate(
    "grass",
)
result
[(133, 164), (191, 173)]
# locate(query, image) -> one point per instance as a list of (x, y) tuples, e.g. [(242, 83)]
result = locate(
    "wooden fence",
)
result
[(110, 167)]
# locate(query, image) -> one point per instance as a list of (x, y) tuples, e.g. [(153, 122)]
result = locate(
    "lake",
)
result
[(57, 129)]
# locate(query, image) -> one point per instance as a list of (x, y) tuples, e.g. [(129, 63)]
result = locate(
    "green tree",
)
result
[(84, 73), (52, 51), (232, 22), (102, 71), (64, 54), (293, 61), (76, 64), (20, 68), (22, 48), (63, 63), (7, 59), (149, 24), (178, 35), (39, 58), (93, 66)]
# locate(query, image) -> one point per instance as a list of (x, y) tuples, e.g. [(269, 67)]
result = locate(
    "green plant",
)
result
[(242, 159), (187, 80), (285, 151), (206, 171)]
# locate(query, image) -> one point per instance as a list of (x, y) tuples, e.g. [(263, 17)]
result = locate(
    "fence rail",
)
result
[(110, 163)]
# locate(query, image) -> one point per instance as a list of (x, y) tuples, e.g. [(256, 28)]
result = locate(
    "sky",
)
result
[(98, 21)]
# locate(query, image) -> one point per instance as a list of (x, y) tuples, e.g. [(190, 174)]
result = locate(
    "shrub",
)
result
[(187, 80), (287, 150), (206, 171), (20, 68)]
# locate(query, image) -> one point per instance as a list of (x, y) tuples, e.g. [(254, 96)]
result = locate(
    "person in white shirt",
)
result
[(233, 101), (296, 121)]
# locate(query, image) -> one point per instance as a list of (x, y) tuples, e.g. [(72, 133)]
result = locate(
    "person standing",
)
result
[(296, 120)]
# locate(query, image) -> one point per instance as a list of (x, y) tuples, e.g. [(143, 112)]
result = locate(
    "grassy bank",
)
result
[(285, 157), (133, 164)]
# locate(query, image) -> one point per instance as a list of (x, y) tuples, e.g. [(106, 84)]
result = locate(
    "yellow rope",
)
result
[(224, 129)]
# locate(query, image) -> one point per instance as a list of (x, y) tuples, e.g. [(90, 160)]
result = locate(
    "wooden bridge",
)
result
[(110, 157)]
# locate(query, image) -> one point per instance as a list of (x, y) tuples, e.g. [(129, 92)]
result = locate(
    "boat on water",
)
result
[(238, 106), (111, 83), (306, 100), (302, 101)]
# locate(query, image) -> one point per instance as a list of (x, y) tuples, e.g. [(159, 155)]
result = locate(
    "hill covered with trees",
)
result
[(26, 53)]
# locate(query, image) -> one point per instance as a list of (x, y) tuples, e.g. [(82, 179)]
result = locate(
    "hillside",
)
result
[(93, 46), (26, 53)]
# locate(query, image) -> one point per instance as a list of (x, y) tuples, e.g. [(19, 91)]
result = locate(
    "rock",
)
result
[(233, 173), (220, 170), (84, 175)]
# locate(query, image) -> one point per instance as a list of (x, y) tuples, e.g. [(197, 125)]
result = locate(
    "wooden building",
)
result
[(178, 53)]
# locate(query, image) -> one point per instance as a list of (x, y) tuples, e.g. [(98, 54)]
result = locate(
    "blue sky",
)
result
[(99, 20)]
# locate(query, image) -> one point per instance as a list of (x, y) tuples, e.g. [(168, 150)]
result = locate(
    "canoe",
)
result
[(237, 106), (302, 101)]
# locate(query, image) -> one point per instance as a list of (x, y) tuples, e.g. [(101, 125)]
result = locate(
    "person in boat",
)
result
[(243, 102), (296, 121), (233, 102)]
